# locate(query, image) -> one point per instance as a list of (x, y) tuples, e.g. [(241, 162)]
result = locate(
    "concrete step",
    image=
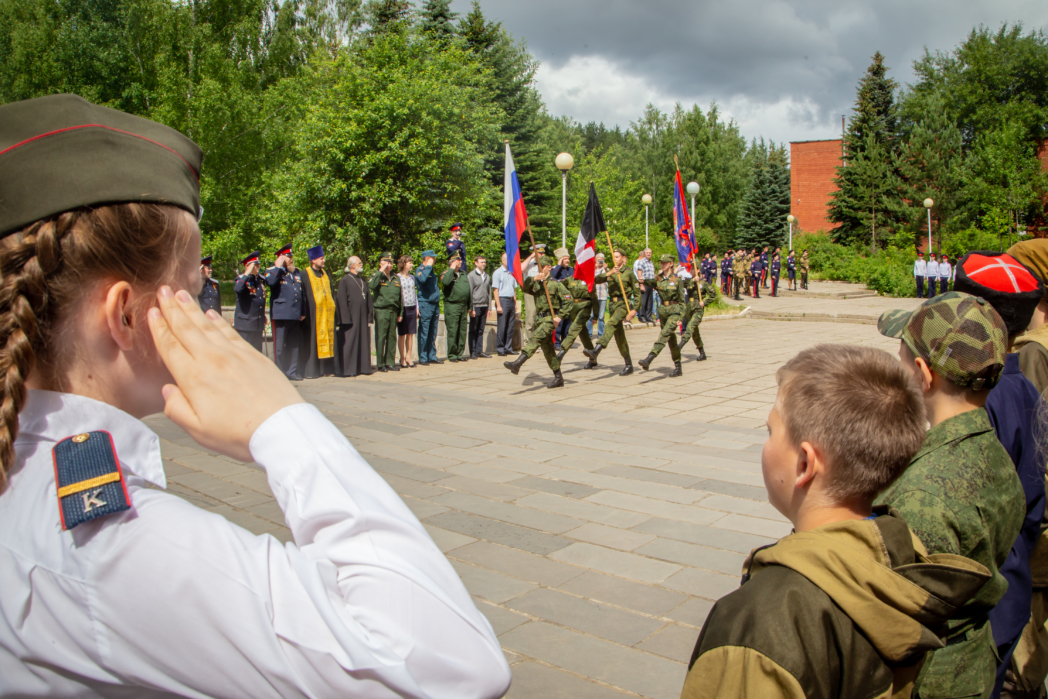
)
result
[(814, 317)]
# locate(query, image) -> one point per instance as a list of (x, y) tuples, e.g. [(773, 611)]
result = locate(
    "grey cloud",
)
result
[(804, 56)]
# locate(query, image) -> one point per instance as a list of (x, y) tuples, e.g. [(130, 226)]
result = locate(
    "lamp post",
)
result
[(564, 163), (791, 218), (646, 200), (693, 189), (928, 204)]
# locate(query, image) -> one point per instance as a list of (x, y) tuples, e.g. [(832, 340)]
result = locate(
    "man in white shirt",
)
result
[(920, 269), (945, 274), (932, 274)]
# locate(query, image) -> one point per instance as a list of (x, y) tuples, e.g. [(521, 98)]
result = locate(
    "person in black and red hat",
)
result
[(209, 298), (455, 244), (1013, 406), (250, 317), (287, 308)]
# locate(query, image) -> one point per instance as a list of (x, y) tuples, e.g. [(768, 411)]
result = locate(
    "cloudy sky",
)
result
[(785, 70)]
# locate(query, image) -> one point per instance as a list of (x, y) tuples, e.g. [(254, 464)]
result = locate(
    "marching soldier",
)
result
[(671, 291), (622, 283), (455, 244), (286, 310), (584, 305), (694, 310), (805, 265), (385, 289), (458, 300), (209, 298), (250, 317), (546, 319)]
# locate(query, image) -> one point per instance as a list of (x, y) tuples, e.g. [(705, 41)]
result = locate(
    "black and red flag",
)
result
[(586, 245)]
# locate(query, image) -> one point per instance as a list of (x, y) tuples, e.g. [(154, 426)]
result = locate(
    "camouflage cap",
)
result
[(547, 261), (666, 258), (959, 335)]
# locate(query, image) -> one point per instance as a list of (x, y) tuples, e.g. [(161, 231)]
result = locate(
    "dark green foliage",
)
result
[(762, 218), (438, 19)]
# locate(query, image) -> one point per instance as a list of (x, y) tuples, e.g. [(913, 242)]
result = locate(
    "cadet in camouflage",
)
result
[(694, 312), (582, 308), (960, 495), (670, 288), (620, 280), (546, 319)]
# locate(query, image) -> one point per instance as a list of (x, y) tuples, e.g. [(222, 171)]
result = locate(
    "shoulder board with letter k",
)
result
[(89, 479)]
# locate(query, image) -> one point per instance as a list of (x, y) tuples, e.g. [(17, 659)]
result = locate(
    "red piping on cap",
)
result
[(108, 128)]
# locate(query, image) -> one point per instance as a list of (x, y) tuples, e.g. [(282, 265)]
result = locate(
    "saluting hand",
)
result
[(223, 388)]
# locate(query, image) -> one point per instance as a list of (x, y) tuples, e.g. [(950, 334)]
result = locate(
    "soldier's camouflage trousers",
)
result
[(613, 328), (691, 327), (736, 283), (579, 320), (668, 335), (542, 338)]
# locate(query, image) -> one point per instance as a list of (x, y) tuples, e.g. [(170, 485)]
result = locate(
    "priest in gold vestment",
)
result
[(318, 329)]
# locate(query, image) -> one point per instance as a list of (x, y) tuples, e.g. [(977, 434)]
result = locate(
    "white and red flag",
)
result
[(586, 245)]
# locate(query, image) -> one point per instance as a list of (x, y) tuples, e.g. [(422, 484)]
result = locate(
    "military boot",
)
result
[(702, 354), (592, 364), (677, 371), (558, 380), (592, 354), (627, 370), (560, 355), (646, 362), (515, 365)]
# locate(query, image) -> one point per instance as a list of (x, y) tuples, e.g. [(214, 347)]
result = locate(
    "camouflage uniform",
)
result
[(671, 291), (804, 270), (582, 308), (542, 337), (738, 275), (617, 281), (960, 494), (693, 312)]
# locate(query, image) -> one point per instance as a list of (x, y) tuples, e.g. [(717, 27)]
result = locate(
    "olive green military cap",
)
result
[(666, 258), (386, 256), (960, 336), (61, 152)]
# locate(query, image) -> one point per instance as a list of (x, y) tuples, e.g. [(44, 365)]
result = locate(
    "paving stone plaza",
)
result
[(596, 524)]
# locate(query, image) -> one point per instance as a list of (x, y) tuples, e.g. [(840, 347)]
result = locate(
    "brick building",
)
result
[(813, 165)]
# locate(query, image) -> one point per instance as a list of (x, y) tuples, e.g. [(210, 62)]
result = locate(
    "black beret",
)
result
[(61, 152)]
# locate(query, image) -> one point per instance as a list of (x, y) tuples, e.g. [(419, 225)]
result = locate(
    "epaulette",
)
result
[(89, 479)]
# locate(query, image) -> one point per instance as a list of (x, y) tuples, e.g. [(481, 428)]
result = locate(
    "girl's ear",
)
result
[(119, 317)]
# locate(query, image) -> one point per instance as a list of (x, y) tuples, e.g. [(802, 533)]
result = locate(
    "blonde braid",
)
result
[(27, 260)]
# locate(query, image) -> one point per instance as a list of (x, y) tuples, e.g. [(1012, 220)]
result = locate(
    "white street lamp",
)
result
[(791, 218), (646, 200), (928, 204), (564, 163), (693, 189)]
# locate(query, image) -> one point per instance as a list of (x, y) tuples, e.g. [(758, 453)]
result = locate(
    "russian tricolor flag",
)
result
[(514, 218)]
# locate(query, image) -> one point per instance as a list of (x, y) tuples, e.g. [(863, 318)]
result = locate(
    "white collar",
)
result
[(50, 416)]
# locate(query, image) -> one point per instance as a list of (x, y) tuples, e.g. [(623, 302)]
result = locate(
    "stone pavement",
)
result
[(792, 306), (596, 524)]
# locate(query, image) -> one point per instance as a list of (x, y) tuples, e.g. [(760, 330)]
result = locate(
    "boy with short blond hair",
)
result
[(849, 604)]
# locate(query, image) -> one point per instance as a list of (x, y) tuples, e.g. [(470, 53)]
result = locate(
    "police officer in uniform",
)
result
[(250, 317), (209, 298), (287, 310), (455, 244)]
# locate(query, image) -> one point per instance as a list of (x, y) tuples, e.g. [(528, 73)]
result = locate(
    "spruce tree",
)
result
[(875, 116), (438, 19), (767, 201), (383, 15)]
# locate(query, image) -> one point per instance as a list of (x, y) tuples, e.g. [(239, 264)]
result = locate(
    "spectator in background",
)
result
[(644, 269), (504, 288), (1013, 406), (427, 291), (920, 271), (561, 271), (933, 275), (480, 289), (407, 324), (945, 274), (602, 297)]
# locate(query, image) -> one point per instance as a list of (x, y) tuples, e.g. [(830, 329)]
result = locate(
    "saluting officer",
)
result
[(250, 317), (209, 298), (385, 289), (455, 244), (287, 310)]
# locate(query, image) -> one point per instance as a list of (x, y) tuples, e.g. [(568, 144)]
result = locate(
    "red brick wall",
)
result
[(813, 165)]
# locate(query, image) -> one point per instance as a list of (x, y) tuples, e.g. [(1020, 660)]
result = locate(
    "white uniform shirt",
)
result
[(169, 598), (945, 270), (933, 269), (920, 267)]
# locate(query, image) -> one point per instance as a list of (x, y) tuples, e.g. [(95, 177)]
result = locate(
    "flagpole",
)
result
[(545, 288), (694, 271)]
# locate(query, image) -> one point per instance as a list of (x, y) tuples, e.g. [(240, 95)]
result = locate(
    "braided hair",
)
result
[(47, 268)]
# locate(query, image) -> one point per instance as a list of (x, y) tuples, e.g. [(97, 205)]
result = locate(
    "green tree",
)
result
[(385, 15), (875, 186), (874, 116), (438, 19), (762, 215)]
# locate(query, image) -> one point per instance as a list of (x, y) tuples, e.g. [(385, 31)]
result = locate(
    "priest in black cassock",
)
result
[(353, 313), (318, 328)]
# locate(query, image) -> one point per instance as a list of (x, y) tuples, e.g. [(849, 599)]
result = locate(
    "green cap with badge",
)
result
[(386, 256), (960, 336), (666, 258)]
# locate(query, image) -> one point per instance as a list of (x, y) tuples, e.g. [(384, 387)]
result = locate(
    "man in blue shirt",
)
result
[(504, 286), (1013, 407), (428, 309)]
